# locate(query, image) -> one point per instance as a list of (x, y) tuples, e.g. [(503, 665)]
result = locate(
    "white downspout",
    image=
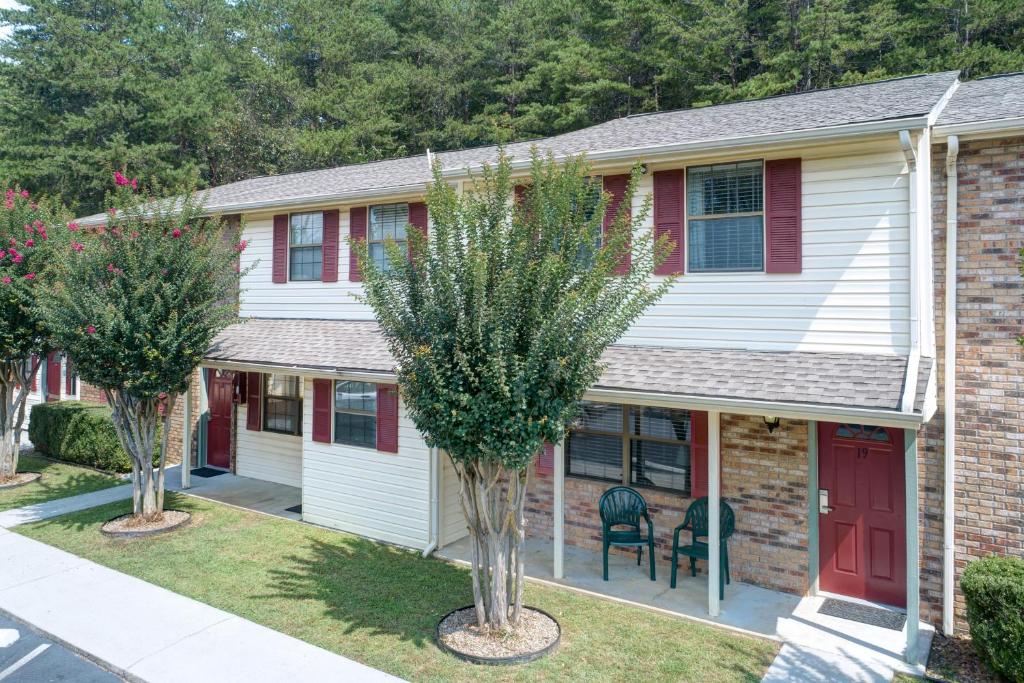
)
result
[(435, 498), (949, 389), (914, 354)]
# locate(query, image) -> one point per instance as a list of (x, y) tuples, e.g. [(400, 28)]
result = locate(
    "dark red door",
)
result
[(221, 392), (53, 376), (863, 537)]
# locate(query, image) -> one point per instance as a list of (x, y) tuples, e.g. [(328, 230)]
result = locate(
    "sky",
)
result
[(6, 30)]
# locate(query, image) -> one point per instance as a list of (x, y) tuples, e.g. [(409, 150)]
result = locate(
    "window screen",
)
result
[(282, 404), (387, 221), (725, 205), (594, 447), (305, 246), (355, 413)]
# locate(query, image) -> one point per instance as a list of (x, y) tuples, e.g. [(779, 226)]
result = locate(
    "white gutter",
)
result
[(914, 356), (623, 154), (435, 502), (949, 390), (981, 128)]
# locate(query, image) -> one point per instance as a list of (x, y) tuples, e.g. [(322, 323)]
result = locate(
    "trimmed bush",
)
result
[(994, 590), (78, 432)]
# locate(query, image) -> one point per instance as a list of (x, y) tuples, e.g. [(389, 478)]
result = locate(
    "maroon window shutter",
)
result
[(616, 185), (418, 218), (356, 233), (699, 454), (669, 200), (546, 459), (783, 228), (35, 377), (69, 376), (520, 193), (241, 387), (322, 410), (387, 418), (253, 415), (280, 271), (329, 273)]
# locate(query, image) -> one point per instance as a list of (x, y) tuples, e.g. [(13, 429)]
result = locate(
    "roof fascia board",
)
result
[(796, 411)]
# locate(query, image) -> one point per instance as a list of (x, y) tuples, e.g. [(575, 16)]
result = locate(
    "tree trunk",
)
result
[(493, 501), (15, 385), (135, 421)]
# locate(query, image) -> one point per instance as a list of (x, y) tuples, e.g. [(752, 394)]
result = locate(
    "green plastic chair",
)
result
[(696, 522), (621, 509)]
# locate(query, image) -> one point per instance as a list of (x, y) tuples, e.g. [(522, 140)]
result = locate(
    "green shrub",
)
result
[(78, 432), (994, 590)]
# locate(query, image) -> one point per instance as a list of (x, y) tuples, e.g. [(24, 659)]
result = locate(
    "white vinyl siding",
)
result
[(268, 455), (851, 296), (453, 520), (384, 496), (853, 292)]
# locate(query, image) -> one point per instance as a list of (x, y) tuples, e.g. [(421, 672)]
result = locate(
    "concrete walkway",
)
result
[(146, 633), (62, 506)]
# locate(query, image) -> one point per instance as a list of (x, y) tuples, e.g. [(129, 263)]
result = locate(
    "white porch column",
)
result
[(913, 555), (813, 535), (559, 513), (186, 440), (714, 505)]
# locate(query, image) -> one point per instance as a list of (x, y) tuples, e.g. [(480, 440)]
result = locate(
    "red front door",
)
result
[(863, 537), (53, 376), (221, 392)]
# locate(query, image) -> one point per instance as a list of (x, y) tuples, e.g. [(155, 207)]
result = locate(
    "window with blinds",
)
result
[(387, 222), (725, 212), (355, 413), (305, 245), (282, 404), (634, 445)]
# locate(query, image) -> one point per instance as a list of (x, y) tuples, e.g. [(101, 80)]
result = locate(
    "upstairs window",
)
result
[(305, 246), (282, 404), (725, 211), (387, 221), (355, 413)]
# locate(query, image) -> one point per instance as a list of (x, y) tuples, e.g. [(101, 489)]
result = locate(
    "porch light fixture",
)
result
[(771, 422)]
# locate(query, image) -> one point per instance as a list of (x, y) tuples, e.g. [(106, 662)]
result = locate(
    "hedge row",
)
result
[(994, 591), (78, 432)]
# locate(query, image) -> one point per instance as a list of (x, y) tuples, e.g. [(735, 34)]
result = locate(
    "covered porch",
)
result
[(869, 651)]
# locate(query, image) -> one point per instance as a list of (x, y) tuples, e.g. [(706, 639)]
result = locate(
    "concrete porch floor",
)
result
[(253, 494), (860, 651)]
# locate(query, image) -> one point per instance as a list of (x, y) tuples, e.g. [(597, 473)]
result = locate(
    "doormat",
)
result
[(865, 614), (294, 508), (207, 472)]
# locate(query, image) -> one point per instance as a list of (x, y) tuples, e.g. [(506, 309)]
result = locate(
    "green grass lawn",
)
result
[(379, 604), (60, 480)]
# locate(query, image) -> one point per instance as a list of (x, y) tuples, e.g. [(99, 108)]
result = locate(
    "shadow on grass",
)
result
[(374, 588)]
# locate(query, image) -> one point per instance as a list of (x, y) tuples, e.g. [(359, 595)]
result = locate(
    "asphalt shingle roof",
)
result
[(892, 99), (853, 380), (986, 99)]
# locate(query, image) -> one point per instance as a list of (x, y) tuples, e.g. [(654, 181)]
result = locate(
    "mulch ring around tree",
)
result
[(537, 635), (128, 526), (20, 479)]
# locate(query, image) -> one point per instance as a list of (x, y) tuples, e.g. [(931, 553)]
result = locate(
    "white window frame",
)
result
[(686, 221), (292, 245)]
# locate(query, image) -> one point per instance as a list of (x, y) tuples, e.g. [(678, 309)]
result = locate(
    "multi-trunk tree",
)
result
[(25, 231), (497, 323), (137, 303)]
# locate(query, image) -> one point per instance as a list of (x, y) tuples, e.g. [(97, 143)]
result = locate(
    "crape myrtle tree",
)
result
[(137, 303), (25, 230), (497, 323)]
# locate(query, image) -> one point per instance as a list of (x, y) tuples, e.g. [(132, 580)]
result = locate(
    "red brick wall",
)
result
[(87, 392), (178, 421), (764, 479), (989, 475)]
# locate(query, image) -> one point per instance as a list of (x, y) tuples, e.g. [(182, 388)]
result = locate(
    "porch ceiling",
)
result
[(848, 380)]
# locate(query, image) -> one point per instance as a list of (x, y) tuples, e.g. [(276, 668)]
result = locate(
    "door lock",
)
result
[(823, 507)]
